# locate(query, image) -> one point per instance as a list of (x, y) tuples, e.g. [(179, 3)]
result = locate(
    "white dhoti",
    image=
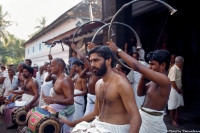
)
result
[(79, 103), (45, 88), (28, 98), (152, 123), (90, 103), (138, 99), (100, 127), (175, 100)]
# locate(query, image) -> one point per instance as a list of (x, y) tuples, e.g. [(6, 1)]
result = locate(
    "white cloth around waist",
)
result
[(152, 123), (26, 99), (175, 100), (100, 127), (79, 99)]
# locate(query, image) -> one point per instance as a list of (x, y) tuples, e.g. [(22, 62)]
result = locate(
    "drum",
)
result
[(19, 116), (17, 97), (41, 121)]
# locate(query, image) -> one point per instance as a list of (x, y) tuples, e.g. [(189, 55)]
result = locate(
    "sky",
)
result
[(25, 13)]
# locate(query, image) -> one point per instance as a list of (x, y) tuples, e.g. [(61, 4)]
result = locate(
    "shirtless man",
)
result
[(115, 107), (88, 74), (80, 89), (63, 88), (157, 91), (29, 91)]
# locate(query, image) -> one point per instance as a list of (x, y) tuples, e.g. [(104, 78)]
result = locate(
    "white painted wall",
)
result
[(39, 56)]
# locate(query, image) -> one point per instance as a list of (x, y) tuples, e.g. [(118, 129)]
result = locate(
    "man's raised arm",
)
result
[(82, 56), (158, 78)]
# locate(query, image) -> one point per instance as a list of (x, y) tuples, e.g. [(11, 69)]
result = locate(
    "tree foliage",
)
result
[(42, 24), (11, 50)]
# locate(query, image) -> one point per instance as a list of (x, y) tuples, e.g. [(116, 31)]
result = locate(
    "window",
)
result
[(33, 49), (28, 51), (40, 46)]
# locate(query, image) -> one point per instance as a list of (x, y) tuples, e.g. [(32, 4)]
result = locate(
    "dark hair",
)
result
[(127, 70), (3, 67), (134, 52), (29, 61), (78, 63), (104, 52), (29, 68), (10, 69), (46, 63), (160, 56)]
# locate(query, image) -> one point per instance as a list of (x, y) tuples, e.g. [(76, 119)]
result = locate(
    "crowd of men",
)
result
[(106, 95)]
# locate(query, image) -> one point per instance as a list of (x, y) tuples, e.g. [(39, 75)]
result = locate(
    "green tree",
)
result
[(14, 52), (42, 24), (3, 24)]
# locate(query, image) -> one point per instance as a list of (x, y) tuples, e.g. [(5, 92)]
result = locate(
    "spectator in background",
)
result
[(72, 59), (176, 97), (140, 51), (10, 83), (172, 61), (134, 78), (3, 75), (45, 66), (39, 76), (28, 62), (164, 46)]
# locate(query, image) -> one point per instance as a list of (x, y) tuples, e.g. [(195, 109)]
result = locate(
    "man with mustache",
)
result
[(29, 93), (115, 107)]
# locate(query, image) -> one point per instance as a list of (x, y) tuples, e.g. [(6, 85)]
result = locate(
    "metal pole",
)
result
[(90, 10)]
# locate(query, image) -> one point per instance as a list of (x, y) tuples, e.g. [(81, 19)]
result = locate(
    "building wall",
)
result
[(38, 51)]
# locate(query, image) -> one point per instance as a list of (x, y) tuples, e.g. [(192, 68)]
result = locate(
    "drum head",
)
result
[(48, 126), (19, 116)]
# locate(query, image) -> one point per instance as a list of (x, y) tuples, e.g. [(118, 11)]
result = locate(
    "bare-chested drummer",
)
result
[(92, 78), (157, 91), (29, 91), (115, 107), (63, 97)]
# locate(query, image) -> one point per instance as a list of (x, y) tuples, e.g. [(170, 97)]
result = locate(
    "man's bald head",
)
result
[(60, 61)]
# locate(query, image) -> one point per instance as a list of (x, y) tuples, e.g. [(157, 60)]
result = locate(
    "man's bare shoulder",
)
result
[(34, 80)]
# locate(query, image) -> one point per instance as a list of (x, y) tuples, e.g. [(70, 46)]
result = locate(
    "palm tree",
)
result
[(3, 25), (42, 23)]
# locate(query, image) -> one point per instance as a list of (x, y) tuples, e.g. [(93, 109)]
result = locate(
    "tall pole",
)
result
[(90, 10)]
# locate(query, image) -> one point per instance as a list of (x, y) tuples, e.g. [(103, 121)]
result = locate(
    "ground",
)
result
[(192, 123)]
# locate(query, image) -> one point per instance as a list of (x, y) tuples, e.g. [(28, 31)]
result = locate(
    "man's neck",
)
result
[(11, 76), (79, 72), (29, 78), (107, 75), (59, 73)]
